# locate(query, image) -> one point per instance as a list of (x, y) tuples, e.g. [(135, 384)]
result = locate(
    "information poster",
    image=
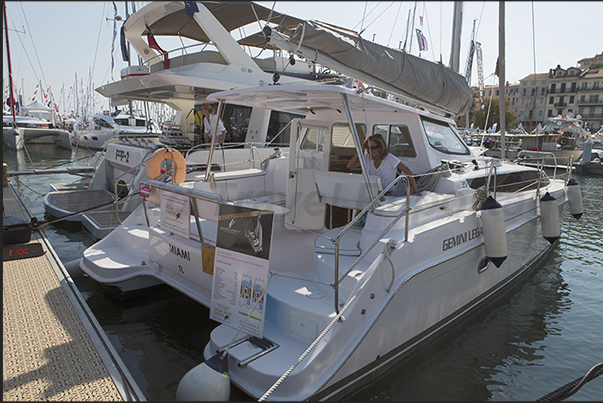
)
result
[(241, 263), (175, 213)]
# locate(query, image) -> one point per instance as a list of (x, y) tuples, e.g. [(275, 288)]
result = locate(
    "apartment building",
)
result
[(590, 98), (537, 97)]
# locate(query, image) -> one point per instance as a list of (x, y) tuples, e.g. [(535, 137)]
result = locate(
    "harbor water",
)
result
[(544, 334)]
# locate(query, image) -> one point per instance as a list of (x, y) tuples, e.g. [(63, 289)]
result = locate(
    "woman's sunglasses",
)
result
[(374, 147)]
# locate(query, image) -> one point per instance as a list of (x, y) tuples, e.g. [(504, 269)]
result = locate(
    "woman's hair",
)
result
[(209, 107), (380, 141)]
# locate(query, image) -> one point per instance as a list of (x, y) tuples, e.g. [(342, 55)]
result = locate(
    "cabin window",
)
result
[(342, 145), (101, 123), (512, 182), (141, 123), (398, 139), (443, 138), (313, 139), (279, 128), (121, 121)]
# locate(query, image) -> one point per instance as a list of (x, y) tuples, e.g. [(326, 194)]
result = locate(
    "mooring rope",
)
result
[(569, 389), (38, 225)]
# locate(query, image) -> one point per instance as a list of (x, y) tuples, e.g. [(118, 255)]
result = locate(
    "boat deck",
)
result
[(53, 347), (74, 201)]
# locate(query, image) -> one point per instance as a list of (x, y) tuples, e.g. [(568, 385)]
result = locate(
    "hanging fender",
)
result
[(549, 218), (179, 164), (494, 232), (574, 197)]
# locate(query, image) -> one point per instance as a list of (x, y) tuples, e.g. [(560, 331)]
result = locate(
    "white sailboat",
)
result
[(312, 305)]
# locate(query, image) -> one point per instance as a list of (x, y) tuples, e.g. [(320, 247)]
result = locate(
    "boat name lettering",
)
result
[(460, 239), (180, 253), (121, 155)]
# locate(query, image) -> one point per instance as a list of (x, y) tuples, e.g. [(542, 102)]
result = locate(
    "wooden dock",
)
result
[(53, 346)]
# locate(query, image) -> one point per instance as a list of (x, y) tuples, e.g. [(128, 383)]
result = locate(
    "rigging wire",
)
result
[(98, 40), (34, 45), (429, 31), (394, 24), (376, 18)]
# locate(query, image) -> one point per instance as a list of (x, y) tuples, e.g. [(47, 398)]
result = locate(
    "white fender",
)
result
[(549, 218), (574, 197), (208, 381), (494, 232)]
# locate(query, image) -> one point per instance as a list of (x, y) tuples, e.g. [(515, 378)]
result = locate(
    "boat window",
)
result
[(342, 145), (101, 123), (236, 120), (279, 128), (398, 138), (443, 138), (141, 122), (313, 138), (512, 182), (121, 121)]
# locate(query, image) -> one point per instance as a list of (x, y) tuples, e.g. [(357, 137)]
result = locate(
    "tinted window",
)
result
[(443, 138)]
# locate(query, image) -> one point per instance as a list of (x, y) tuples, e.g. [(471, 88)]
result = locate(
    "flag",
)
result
[(154, 45), (124, 45), (421, 40), (190, 8)]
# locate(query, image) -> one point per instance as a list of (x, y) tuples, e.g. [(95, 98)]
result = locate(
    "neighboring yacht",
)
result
[(209, 56), (93, 131), (36, 124)]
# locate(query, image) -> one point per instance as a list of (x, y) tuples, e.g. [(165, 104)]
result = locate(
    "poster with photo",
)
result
[(241, 262), (175, 213)]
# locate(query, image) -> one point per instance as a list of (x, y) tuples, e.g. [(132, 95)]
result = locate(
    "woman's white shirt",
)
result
[(387, 169)]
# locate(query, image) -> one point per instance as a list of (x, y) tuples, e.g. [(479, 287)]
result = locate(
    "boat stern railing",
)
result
[(337, 240)]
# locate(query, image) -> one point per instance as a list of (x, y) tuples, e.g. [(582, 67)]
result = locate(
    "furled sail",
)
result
[(391, 69)]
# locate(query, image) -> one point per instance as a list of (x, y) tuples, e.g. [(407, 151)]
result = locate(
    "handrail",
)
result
[(345, 229), (538, 156), (159, 56)]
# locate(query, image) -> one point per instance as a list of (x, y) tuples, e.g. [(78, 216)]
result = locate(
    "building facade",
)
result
[(572, 91)]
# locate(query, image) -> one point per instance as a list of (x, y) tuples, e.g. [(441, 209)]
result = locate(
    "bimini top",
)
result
[(391, 69)]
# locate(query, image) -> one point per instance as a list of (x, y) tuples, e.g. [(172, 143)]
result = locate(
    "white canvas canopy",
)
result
[(36, 106), (391, 69)]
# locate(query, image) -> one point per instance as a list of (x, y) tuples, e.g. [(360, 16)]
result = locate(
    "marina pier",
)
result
[(53, 347)]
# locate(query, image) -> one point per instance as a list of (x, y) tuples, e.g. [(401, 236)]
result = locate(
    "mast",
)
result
[(10, 71), (457, 23), (501, 76)]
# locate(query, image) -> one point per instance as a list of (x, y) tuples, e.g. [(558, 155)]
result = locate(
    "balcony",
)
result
[(591, 102), (560, 105), (592, 115)]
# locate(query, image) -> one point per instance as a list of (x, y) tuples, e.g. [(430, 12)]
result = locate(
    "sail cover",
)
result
[(380, 66)]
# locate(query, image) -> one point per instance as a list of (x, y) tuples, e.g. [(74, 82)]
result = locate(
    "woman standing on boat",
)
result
[(209, 122), (380, 162)]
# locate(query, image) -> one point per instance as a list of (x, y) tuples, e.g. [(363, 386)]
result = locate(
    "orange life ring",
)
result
[(179, 165)]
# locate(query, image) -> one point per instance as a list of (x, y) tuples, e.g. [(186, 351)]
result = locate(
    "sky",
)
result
[(57, 42)]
